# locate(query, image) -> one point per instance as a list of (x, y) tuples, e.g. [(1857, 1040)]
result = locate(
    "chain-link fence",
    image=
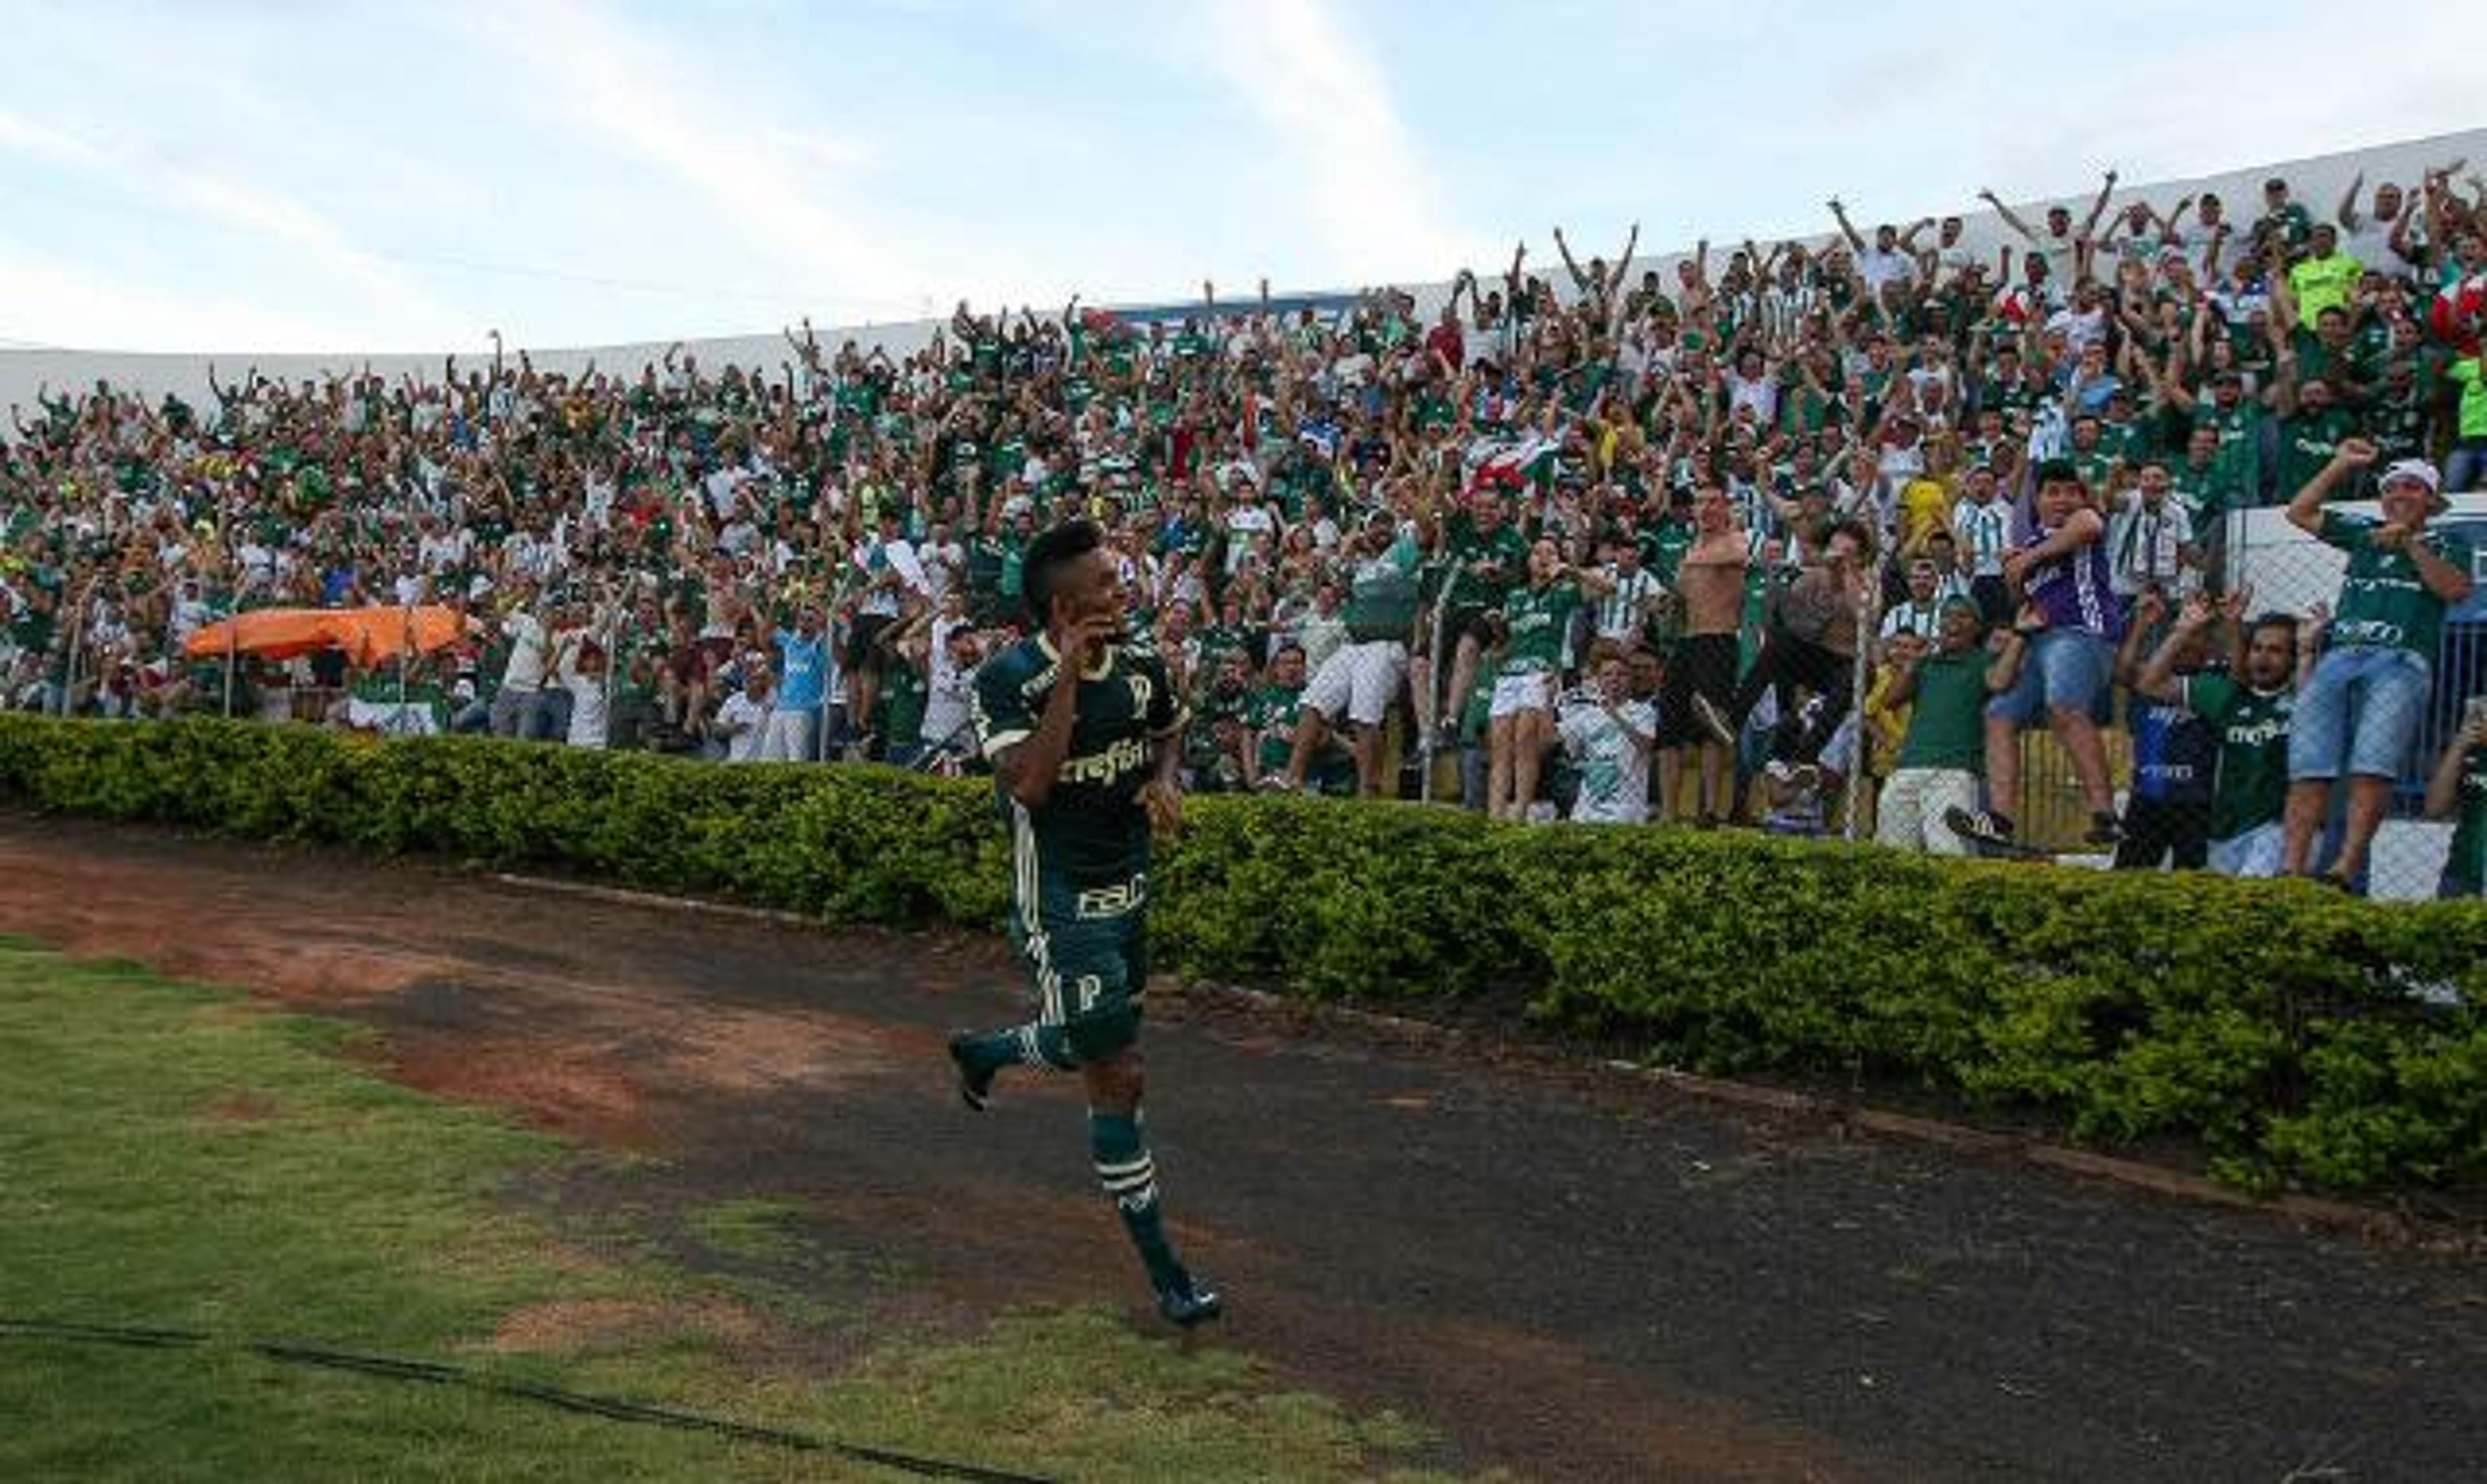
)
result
[(2177, 767)]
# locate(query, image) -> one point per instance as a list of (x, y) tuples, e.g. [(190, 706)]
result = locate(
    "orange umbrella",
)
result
[(369, 635)]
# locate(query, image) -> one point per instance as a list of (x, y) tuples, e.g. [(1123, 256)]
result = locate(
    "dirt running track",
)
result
[(1570, 1279)]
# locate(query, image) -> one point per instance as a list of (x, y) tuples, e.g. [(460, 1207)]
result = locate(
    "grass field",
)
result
[(180, 1157)]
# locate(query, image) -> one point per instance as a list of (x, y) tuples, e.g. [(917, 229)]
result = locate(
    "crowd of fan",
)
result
[(1578, 522)]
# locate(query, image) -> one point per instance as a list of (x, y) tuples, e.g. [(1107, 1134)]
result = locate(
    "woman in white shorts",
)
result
[(1536, 629)]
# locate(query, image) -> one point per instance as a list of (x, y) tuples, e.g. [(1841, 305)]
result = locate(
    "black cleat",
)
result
[(1188, 1302), (1980, 826), (975, 1087)]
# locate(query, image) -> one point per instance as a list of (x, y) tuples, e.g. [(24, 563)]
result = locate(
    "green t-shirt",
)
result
[(2236, 466), (1222, 639), (1538, 624), (2382, 601), (1466, 544), (1272, 713), (2324, 283), (2252, 786), (1663, 548), (2315, 357), (1382, 596), (2308, 442), (1948, 722), (2465, 866), (900, 705), (1091, 831), (2203, 492), (2466, 374)]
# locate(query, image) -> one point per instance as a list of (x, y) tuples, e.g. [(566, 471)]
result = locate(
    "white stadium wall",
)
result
[(2317, 182)]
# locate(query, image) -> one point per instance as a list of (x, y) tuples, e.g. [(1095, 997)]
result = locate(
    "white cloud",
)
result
[(640, 101), (58, 303), (24, 136), (825, 150), (388, 306), (1364, 186)]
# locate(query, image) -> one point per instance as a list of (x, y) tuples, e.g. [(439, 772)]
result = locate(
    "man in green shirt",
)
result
[(1943, 751), (2457, 790), (1080, 725), (2359, 712), (2313, 422), (1275, 716), (2326, 276), (1361, 679), (1483, 554), (2251, 712)]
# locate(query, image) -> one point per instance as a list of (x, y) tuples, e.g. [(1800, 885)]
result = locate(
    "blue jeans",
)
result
[(2359, 714), (2466, 467), (2066, 670)]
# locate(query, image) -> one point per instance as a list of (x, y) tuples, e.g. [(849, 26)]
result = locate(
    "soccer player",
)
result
[(1081, 728)]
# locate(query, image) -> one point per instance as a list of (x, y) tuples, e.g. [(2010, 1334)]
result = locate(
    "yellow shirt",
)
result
[(2324, 283)]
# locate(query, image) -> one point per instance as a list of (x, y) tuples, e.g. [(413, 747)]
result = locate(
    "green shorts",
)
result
[(1088, 955)]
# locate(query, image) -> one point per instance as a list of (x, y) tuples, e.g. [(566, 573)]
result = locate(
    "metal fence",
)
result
[(2283, 571)]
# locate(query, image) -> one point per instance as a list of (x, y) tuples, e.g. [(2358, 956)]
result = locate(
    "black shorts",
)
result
[(1702, 665), (2173, 831)]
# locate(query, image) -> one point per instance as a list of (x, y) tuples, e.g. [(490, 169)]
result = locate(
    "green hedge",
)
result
[(2292, 1031)]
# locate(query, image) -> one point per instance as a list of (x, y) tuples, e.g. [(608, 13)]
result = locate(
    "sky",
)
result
[(325, 175)]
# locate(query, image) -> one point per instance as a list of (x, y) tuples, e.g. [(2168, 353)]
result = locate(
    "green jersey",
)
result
[(1947, 723), (1091, 832), (2467, 376), (1537, 623), (2383, 603), (1381, 594), (2308, 441), (2236, 466), (1271, 712), (1466, 546), (901, 704), (2253, 784), (1662, 547), (2465, 866)]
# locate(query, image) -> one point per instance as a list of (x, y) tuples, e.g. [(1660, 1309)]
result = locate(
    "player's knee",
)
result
[(1115, 1082), (1101, 1036)]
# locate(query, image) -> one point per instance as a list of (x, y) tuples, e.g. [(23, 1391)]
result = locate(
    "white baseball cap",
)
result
[(2418, 469)]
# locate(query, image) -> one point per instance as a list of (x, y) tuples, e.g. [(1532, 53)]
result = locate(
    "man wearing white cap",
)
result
[(2359, 714)]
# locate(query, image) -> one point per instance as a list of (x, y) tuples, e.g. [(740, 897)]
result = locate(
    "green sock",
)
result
[(1130, 1178), (1033, 1045)]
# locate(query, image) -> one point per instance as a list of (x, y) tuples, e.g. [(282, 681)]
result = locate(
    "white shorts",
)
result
[(2254, 853), (1358, 681), (1515, 694), (1909, 814), (786, 738)]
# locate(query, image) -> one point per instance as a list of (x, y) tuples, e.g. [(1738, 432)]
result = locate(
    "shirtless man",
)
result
[(1710, 585)]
